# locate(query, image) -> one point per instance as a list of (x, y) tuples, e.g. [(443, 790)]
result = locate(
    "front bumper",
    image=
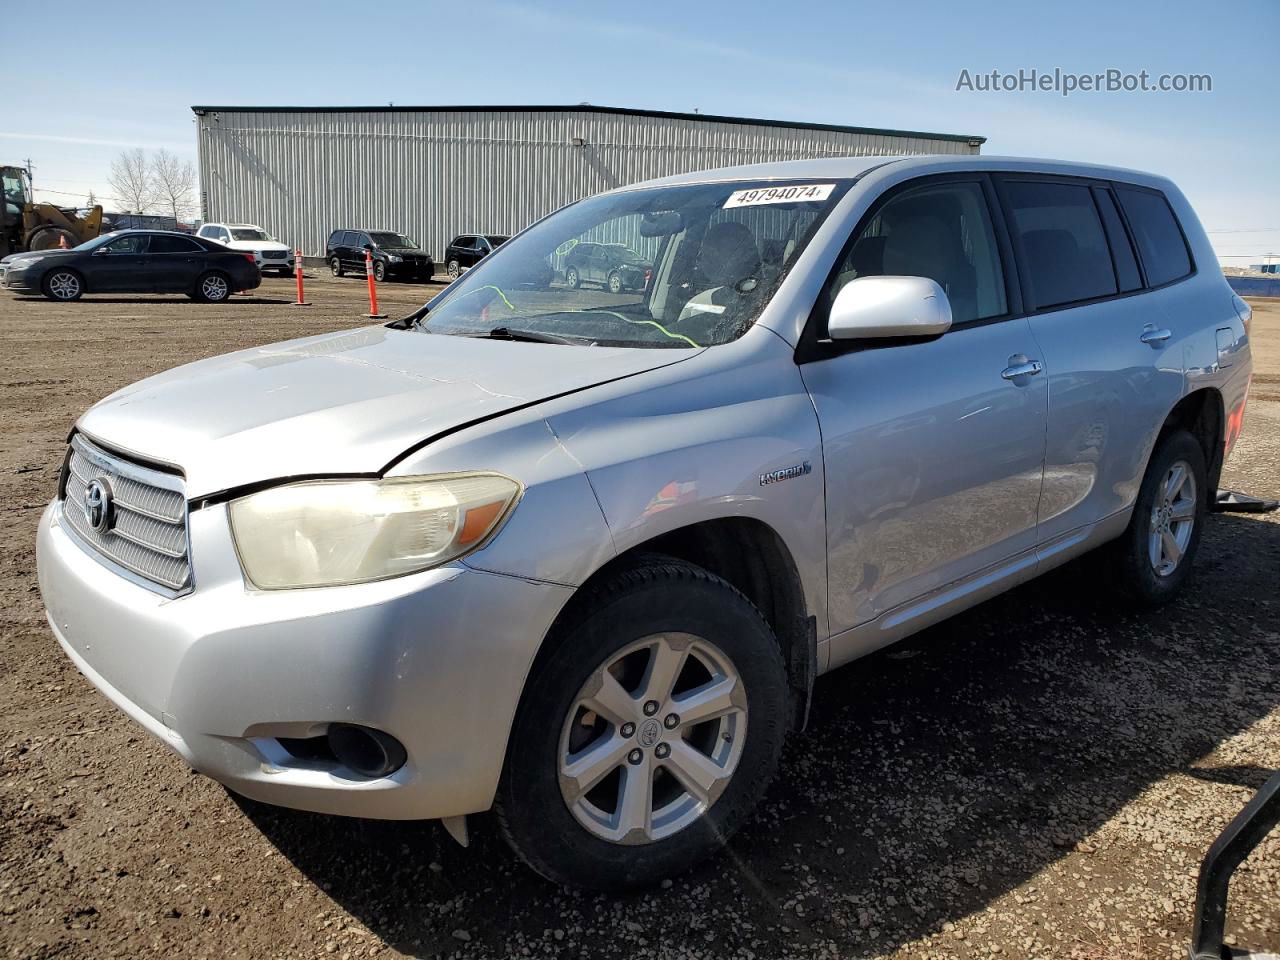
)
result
[(19, 281), (436, 659), (408, 268)]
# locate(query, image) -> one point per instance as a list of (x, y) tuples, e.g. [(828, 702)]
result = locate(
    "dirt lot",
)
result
[(1038, 778)]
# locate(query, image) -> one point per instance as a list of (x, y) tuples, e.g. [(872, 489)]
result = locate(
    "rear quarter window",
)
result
[(1159, 238), (1064, 247)]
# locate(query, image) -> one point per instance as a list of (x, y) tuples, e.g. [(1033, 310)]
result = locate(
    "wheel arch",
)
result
[(751, 556), (1202, 413)]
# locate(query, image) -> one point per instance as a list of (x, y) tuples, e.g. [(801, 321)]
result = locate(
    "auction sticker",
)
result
[(795, 193)]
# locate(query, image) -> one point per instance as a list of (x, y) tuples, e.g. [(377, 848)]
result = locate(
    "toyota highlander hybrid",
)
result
[(576, 554)]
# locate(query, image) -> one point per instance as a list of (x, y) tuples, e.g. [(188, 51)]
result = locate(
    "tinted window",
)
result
[(205, 232), (1164, 252), (163, 244), (1064, 248), (1122, 257), (463, 243), (941, 231), (133, 243)]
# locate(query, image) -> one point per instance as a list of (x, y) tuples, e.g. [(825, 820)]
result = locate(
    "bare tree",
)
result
[(131, 181), (92, 201), (174, 182)]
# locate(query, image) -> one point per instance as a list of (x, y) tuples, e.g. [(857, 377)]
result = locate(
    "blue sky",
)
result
[(132, 71)]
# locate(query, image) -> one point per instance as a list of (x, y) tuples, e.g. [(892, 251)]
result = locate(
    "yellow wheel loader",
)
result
[(27, 225)]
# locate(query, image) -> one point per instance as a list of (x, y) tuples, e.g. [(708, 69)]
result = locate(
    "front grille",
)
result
[(274, 254), (146, 528)]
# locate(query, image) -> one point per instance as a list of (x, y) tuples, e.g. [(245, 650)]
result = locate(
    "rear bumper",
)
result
[(436, 659)]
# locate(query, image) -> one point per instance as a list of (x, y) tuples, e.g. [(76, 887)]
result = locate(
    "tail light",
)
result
[(250, 257)]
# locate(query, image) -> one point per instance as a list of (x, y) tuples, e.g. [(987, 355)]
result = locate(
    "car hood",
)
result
[(255, 245), (342, 403), (31, 254)]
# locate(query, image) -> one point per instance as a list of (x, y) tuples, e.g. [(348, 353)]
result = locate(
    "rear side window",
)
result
[(941, 231), (1155, 230), (1063, 244), (1125, 262), (164, 244)]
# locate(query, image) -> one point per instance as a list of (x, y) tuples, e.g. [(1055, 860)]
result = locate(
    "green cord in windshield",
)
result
[(652, 323)]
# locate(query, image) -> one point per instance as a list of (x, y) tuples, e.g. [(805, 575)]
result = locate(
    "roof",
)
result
[(833, 168), (971, 139)]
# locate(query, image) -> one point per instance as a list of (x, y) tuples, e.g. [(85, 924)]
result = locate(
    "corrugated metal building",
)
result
[(435, 172)]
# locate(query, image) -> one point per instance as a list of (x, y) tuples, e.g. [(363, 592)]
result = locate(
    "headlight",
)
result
[(392, 258), (329, 532)]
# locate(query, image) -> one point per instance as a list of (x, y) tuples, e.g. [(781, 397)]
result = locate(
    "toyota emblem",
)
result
[(97, 505)]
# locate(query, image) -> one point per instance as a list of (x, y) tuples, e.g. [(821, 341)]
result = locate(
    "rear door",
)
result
[(933, 448), (174, 263), (120, 266), (1113, 358), (357, 241)]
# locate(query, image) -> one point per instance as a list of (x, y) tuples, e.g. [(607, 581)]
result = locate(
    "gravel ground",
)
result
[(1036, 778)]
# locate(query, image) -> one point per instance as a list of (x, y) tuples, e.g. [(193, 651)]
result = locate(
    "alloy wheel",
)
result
[(214, 288), (1173, 518), (652, 739), (64, 285)]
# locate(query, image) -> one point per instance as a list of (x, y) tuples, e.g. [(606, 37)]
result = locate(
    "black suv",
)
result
[(394, 255), (467, 250), (612, 265)]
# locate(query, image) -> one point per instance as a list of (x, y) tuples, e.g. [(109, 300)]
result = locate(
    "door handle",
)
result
[(1021, 366), (1153, 337)]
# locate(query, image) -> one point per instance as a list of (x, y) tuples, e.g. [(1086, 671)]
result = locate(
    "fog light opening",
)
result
[(369, 752)]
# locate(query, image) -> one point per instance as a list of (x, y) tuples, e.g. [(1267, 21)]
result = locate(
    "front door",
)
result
[(933, 450), (119, 266)]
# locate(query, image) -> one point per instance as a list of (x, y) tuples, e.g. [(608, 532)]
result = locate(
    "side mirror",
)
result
[(889, 307)]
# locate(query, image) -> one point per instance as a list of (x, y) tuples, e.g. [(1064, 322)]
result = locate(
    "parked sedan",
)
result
[(133, 261), (612, 265)]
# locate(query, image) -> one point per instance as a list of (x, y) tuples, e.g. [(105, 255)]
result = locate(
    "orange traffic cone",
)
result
[(62, 242)]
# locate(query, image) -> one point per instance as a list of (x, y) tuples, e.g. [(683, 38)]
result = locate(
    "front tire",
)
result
[(213, 287), (615, 282), (572, 278), (63, 285), (379, 270), (454, 270), (1151, 561), (649, 734), (335, 266)]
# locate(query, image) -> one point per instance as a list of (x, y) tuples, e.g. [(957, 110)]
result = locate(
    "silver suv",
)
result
[(576, 555)]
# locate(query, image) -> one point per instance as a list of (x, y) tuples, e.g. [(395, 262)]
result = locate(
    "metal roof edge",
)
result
[(975, 140)]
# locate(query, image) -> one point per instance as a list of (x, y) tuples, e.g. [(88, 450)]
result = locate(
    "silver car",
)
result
[(577, 555)]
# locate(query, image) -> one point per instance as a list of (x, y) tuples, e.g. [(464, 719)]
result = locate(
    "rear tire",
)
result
[(48, 238), (213, 287), (63, 284), (1151, 561), (659, 611), (335, 267)]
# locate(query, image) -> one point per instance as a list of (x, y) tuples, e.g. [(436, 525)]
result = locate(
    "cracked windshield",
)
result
[(682, 267)]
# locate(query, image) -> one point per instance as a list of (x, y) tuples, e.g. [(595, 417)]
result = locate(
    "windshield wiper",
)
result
[(530, 336)]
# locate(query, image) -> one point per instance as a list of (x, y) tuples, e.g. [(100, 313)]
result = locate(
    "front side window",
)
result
[(134, 243), (941, 231), (1063, 244), (687, 266), (242, 233), (1164, 252)]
